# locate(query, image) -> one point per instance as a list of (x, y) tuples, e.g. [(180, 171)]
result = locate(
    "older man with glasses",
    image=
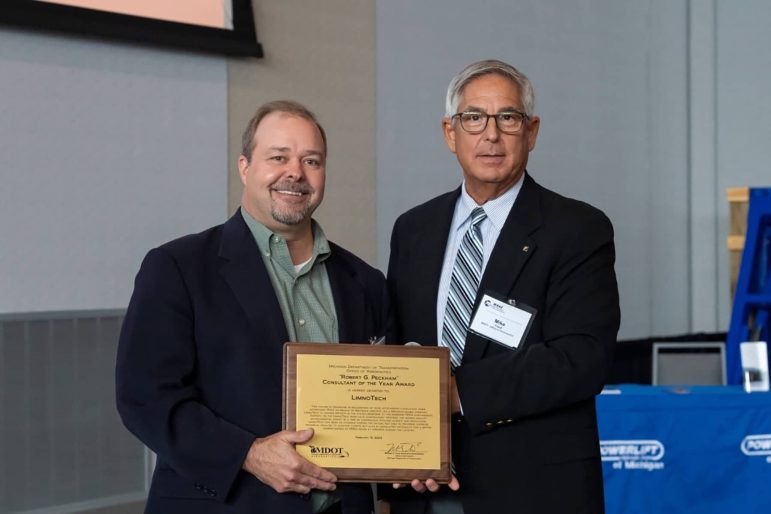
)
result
[(518, 282)]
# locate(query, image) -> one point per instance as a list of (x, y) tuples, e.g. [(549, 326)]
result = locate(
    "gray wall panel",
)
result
[(61, 441), (107, 151), (705, 246), (743, 114)]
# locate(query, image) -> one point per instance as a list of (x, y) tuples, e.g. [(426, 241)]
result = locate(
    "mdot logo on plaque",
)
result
[(379, 413)]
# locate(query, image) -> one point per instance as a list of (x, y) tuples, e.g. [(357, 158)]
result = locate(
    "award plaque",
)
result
[(379, 413)]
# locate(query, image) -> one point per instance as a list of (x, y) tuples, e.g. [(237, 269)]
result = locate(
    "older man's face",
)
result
[(492, 161), (284, 177)]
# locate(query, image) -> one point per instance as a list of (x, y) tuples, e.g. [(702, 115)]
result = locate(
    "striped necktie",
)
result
[(464, 283)]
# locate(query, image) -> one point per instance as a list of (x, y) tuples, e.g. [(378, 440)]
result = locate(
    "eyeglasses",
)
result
[(509, 122)]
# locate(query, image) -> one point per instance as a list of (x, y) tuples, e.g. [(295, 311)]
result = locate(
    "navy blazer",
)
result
[(199, 367), (527, 442)]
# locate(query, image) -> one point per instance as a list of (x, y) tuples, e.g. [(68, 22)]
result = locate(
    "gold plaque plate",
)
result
[(379, 413)]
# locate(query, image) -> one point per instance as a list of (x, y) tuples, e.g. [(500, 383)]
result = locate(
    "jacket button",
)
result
[(488, 424)]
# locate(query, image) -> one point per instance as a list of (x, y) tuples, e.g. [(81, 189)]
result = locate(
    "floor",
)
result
[(128, 508)]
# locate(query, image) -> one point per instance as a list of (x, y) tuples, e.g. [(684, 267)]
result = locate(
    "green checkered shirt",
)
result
[(304, 296)]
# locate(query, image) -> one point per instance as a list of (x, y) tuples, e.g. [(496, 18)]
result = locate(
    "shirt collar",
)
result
[(497, 210), (262, 235)]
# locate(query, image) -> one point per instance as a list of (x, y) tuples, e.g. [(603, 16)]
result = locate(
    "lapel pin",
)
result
[(525, 248)]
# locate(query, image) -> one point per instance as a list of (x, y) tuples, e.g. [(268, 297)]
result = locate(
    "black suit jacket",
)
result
[(527, 441), (200, 362)]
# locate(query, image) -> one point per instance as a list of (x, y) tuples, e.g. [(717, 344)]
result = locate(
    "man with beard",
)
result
[(199, 368)]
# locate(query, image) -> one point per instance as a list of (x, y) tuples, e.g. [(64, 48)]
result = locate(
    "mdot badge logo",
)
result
[(758, 445), (328, 451), (644, 454)]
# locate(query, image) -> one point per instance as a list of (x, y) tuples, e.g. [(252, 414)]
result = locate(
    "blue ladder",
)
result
[(752, 300)]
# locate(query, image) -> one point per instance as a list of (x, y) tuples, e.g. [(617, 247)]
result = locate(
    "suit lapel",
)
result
[(512, 250), (350, 302), (245, 274), (431, 240), (514, 246)]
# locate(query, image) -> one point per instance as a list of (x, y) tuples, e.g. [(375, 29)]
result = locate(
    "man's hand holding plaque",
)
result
[(430, 484), (274, 461)]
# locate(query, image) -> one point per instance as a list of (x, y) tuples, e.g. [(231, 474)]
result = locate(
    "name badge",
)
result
[(505, 322)]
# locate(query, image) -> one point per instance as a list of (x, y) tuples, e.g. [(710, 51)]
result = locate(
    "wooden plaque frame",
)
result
[(376, 474)]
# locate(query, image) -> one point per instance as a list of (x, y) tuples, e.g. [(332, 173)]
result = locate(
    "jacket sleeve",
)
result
[(156, 393)]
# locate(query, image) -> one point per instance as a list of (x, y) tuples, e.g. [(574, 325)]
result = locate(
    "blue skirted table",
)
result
[(690, 449)]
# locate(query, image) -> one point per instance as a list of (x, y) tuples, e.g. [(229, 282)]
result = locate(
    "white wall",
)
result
[(107, 150), (743, 110), (627, 94)]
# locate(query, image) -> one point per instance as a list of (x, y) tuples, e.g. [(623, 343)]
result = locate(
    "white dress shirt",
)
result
[(497, 211)]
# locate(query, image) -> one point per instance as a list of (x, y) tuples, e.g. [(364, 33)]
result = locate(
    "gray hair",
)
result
[(285, 106), (488, 67)]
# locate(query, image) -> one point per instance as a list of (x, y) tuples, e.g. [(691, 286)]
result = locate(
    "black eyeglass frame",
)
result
[(459, 115)]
